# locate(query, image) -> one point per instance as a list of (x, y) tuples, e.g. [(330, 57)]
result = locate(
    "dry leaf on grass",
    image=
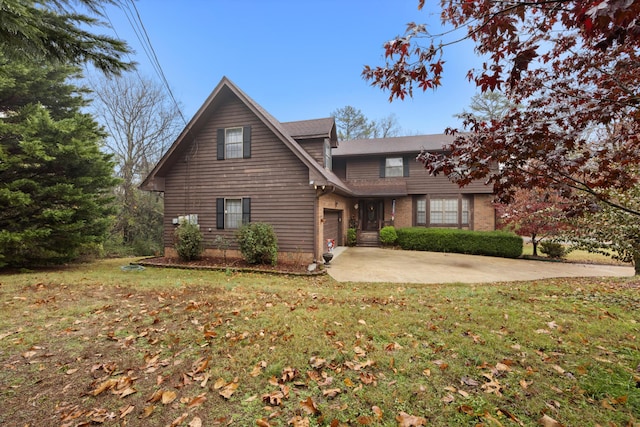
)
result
[(547, 421), (406, 420), (228, 390), (168, 396)]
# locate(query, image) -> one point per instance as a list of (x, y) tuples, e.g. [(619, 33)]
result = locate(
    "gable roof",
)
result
[(396, 145), (317, 174)]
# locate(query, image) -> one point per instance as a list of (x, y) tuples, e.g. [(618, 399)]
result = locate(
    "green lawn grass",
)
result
[(575, 256), (95, 344)]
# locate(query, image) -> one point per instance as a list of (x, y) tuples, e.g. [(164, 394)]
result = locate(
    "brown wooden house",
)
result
[(235, 163)]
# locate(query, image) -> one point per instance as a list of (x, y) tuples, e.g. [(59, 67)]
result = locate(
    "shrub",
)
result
[(553, 249), (490, 243), (388, 235), (352, 237), (188, 241), (258, 243)]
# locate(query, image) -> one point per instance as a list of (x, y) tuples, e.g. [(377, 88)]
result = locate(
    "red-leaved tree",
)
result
[(571, 66), (534, 213)]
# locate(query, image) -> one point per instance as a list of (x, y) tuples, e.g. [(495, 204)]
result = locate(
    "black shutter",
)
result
[(246, 210), (220, 213), (246, 142), (405, 166), (220, 144), (383, 164)]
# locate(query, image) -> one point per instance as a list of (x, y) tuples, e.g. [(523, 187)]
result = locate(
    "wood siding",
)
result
[(274, 178), (315, 147), (418, 182)]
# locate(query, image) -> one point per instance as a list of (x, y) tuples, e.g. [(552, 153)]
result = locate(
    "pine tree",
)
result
[(55, 183)]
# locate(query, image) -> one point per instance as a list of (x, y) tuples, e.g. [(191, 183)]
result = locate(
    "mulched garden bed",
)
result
[(232, 264)]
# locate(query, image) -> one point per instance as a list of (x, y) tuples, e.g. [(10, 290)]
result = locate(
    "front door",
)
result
[(371, 216)]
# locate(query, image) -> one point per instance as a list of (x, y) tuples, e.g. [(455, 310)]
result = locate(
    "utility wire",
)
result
[(135, 20)]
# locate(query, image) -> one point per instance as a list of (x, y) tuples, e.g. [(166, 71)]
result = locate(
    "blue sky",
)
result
[(299, 59)]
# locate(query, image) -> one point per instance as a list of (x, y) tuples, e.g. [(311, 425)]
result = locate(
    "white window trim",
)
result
[(227, 214), (227, 143)]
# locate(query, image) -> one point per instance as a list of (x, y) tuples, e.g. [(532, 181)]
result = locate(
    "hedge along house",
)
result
[(234, 163)]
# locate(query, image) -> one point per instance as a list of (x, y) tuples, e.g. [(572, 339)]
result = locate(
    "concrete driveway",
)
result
[(397, 266)]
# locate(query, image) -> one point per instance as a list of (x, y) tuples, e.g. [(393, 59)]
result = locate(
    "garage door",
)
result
[(332, 227)]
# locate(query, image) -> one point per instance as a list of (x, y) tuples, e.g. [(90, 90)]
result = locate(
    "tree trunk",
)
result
[(636, 263), (534, 242)]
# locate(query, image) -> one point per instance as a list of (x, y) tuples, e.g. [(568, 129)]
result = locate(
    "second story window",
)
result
[(233, 143), (394, 166)]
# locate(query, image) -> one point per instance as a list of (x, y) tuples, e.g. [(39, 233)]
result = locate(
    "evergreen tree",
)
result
[(54, 30), (55, 183)]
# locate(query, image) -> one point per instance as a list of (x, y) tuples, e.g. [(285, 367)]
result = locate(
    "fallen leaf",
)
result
[(195, 422), (168, 396), (466, 409), (364, 420), (362, 322), (274, 398), (449, 398), (317, 362), (262, 423), (332, 392), (126, 411), (547, 421), (127, 391), (201, 365), (71, 371), (147, 411), (502, 367), (156, 396), (298, 421), (376, 410), (106, 385), (288, 374), (309, 406), (406, 420), (179, 420), (220, 382), (197, 401), (228, 390)]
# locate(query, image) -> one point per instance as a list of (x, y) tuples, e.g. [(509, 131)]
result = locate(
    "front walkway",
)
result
[(396, 266)]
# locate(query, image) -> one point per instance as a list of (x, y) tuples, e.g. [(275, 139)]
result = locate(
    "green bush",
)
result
[(388, 235), (258, 243), (188, 241), (553, 249), (352, 237), (491, 243)]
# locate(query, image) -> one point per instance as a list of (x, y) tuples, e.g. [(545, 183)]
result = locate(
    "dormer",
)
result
[(317, 137)]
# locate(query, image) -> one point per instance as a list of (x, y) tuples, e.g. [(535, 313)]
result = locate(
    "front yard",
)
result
[(95, 345)]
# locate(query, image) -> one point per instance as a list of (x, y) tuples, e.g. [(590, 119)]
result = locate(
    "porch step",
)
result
[(368, 239)]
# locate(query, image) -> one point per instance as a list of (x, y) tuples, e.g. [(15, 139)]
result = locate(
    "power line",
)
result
[(135, 20)]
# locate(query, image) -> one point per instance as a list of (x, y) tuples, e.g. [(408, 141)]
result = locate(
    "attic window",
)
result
[(233, 143), (327, 155)]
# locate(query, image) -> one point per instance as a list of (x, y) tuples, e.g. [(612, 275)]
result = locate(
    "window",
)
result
[(232, 213), (421, 212), (233, 143), (444, 211), (327, 155), (394, 166)]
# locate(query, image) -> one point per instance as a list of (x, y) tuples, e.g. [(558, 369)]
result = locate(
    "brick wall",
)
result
[(484, 217)]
